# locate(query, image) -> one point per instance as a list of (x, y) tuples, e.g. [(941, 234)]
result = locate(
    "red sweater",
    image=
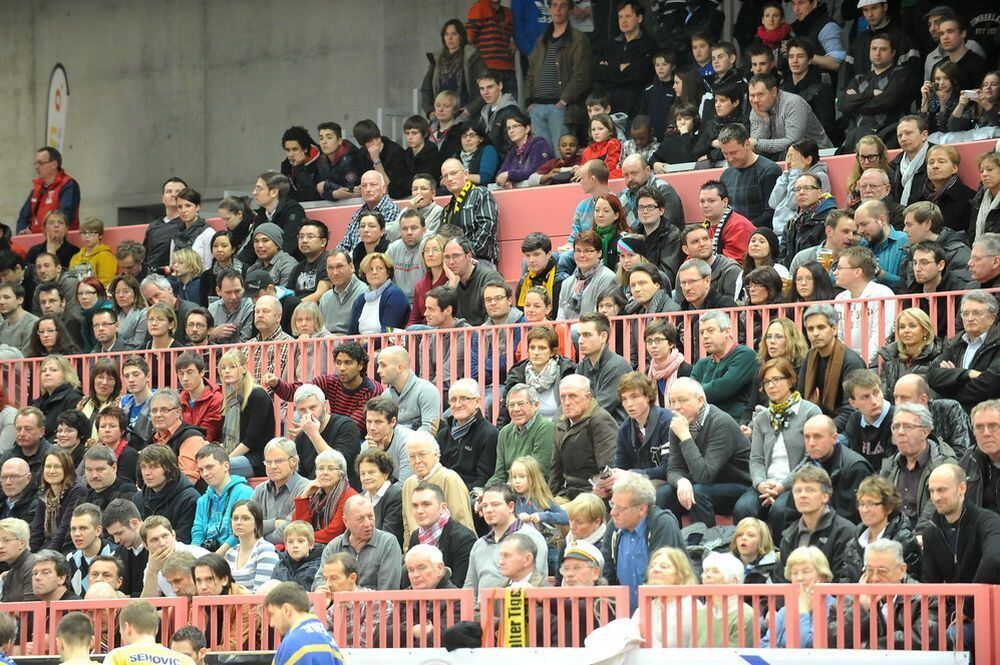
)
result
[(350, 403), (491, 32), (324, 534), (419, 294), (609, 152), (735, 236), (206, 412)]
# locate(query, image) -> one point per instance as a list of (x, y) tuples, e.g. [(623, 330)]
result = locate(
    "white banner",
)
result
[(653, 657), (55, 119)]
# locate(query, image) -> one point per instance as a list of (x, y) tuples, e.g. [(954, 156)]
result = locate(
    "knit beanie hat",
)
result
[(272, 231)]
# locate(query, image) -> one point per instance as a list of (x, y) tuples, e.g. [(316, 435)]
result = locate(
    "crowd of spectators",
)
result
[(862, 445)]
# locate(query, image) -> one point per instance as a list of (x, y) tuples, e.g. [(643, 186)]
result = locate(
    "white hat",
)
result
[(869, 3), (581, 550), (614, 643)]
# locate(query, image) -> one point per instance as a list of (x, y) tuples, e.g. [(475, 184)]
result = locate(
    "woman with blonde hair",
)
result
[(186, 268), (247, 415), (384, 306), (869, 153), (914, 351), (984, 216), (437, 274), (781, 339), (671, 619), (308, 322), (804, 567), (946, 190), (60, 389), (127, 301)]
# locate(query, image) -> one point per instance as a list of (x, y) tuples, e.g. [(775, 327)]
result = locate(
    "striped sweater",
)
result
[(490, 30)]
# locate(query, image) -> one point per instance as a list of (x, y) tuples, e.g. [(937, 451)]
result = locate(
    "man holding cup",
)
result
[(841, 232)]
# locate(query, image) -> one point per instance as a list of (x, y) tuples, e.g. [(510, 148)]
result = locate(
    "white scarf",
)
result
[(908, 168), (987, 205)]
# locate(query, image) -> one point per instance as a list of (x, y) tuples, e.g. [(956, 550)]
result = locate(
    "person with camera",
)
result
[(978, 108)]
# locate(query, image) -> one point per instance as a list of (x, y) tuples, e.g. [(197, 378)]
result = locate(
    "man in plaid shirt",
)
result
[(473, 210), (341, 574)]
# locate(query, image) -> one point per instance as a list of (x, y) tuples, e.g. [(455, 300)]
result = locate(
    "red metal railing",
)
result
[(557, 616), (703, 616), (435, 350)]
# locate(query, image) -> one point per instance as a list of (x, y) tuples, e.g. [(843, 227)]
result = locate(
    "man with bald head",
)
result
[(473, 211), (273, 358), (963, 546), (875, 184), (418, 399), (19, 490), (374, 192), (638, 174), (380, 560), (886, 243), (951, 421)]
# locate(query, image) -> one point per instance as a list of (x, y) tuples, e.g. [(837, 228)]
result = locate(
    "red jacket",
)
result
[(735, 236), (63, 194), (206, 412), (324, 534), (609, 152)]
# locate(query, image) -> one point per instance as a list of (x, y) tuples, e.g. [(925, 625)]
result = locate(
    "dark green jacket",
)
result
[(727, 382)]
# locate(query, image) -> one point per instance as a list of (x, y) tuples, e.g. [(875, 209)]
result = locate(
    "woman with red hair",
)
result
[(92, 297), (609, 225)]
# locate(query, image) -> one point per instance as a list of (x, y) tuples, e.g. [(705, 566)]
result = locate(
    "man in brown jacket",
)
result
[(585, 440)]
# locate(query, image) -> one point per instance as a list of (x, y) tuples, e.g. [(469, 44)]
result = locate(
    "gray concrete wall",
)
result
[(198, 88)]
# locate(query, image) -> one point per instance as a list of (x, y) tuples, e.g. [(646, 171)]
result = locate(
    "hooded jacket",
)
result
[(339, 170), (301, 572), (808, 228), (495, 121), (177, 501), (892, 468), (102, 262), (303, 177), (833, 536), (211, 518)]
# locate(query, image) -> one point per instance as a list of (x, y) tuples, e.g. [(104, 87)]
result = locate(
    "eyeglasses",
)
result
[(89, 233), (38, 163), (9, 478), (461, 399), (494, 299), (162, 410), (974, 313), (647, 207), (869, 505), (421, 455), (773, 381), (656, 341), (276, 462), (804, 188), (881, 572), (867, 158), (904, 427), (518, 404), (585, 251)]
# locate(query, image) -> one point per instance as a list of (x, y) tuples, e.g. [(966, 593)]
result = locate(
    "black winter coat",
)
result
[(899, 529), (62, 399), (389, 512), (818, 91), (833, 536), (891, 367), (955, 382), (473, 457), (176, 501), (977, 552), (847, 469), (954, 203), (992, 219), (455, 543), (301, 572)]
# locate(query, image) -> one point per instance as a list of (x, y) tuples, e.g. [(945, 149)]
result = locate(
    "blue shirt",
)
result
[(878, 421), (633, 557), (973, 346), (890, 255), (308, 643)]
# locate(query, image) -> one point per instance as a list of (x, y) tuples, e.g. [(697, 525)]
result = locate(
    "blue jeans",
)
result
[(547, 120), (710, 499), (240, 466), (775, 515), (565, 262)]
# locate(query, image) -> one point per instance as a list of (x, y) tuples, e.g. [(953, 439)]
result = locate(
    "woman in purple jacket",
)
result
[(528, 154)]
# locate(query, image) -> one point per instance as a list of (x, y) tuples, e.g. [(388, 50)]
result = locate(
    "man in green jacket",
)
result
[(729, 369), (527, 433)]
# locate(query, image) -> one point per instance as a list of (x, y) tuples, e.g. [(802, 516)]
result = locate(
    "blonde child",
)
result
[(536, 505)]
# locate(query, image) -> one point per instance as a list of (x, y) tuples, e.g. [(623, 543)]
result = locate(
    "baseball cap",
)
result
[(944, 11), (257, 280), (581, 550), (868, 3)]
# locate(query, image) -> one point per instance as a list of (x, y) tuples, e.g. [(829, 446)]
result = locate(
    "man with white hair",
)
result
[(586, 439), (982, 463), (468, 441), (527, 433), (379, 558), (276, 497), (20, 494), (918, 456), (968, 367), (427, 572), (984, 262), (951, 422), (424, 455), (157, 289), (15, 555), (374, 191), (728, 371), (419, 402), (270, 358), (320, 430), (885, 564), (640, 528), (875, 184), (709, 465)]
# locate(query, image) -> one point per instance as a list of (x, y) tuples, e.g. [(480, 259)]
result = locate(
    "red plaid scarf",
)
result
[(432, 535)]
